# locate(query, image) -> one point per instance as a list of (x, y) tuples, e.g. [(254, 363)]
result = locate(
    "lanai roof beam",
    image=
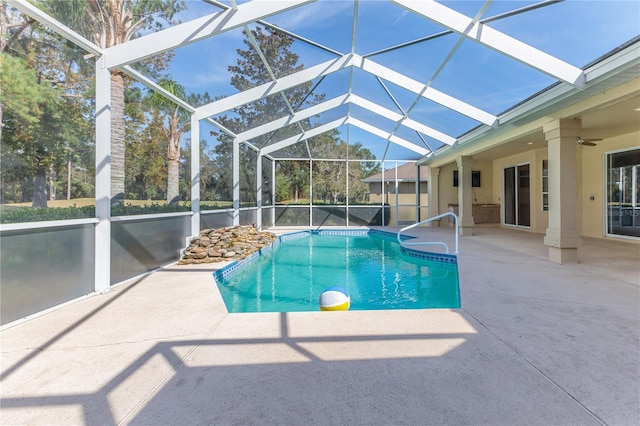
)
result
[(303, 136), (496, 40), (340, 122), (338, 64), (282, 30), (283, 83), (66, 32), (437, 71), (194, 30), (447, 32), (339, 101), (388, 136), (180, 102), (404, 113), (272, 75), (430, 93), (290, 119), (398, 118)]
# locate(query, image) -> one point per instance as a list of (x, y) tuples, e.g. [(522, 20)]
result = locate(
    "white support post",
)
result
[(347, 192), (418, 193), (236, 184), (102, 279), (195, 175), (273, 192), (310, 192), (395, 168), (259, 191)]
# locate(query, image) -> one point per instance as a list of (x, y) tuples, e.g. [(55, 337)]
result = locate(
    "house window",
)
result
[(475, 178), (545, 186)]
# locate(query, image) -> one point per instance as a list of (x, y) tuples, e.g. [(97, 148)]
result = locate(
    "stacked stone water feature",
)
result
[(231, 243)]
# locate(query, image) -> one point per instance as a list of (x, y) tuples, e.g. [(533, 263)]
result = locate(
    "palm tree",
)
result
[(175, 125), (108, 23)]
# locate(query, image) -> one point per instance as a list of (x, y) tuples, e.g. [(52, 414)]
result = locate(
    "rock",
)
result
[(225, 244), (212, 252)]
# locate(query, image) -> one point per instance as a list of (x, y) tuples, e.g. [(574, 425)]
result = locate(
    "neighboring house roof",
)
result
[(405, 173)]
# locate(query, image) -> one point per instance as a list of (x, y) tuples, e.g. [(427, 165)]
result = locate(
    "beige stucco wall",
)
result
[(539, 218), (484, 194), (406, 193), (406, 196), (592, 181), (448, 193)]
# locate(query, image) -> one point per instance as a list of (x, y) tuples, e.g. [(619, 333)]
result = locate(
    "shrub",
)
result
[(28, 214)]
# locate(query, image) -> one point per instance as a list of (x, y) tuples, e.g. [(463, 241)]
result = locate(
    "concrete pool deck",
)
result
[(534, 343)]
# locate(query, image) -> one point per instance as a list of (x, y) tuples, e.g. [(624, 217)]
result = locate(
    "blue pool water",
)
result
[(378, 274)]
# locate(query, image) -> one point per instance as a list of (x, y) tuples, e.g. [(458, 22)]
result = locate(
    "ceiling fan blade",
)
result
[(587, 142)]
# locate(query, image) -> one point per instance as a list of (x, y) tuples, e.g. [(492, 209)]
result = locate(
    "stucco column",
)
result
[(465, 195), (432, 194), (562, 237)]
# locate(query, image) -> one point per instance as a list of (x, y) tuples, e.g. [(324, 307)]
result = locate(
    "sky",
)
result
[(576, 31)]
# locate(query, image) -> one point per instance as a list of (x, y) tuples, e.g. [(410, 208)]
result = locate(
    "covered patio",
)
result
[(534, 343)]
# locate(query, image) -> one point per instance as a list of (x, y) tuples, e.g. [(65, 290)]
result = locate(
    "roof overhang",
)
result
[(557, 101)]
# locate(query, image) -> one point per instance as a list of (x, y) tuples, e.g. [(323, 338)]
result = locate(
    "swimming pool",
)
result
[(290, 275)]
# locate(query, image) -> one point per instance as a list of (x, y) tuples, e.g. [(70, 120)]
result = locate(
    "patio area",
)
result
[(534, 343)]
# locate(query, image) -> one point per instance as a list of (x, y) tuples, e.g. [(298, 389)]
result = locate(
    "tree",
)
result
[(292, 177), (175, 123), (251, 72), (43, 113), (108, 23)]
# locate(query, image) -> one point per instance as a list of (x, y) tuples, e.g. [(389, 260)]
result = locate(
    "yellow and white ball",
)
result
[(334, 299)]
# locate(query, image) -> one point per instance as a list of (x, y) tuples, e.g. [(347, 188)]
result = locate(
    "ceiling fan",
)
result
[(587, 142)]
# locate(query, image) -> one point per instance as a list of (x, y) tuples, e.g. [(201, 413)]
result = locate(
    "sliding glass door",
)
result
[(517, 195), (623, 193)]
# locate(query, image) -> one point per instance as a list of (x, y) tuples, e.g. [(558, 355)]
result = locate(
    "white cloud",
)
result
[(401, 17)]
